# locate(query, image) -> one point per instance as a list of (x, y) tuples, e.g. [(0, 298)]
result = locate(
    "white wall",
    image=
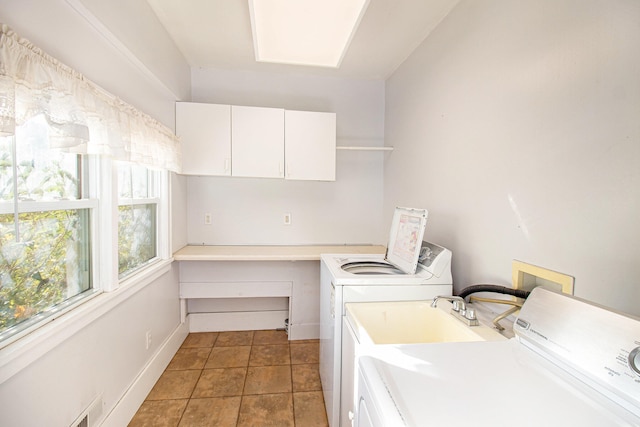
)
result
[(178, 211), (517, 124), (250, 211), (101, 361), (134, 23), (108, 356), (71, 35)]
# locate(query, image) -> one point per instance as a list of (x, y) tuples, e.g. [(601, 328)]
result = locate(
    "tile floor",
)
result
[(246, 378)]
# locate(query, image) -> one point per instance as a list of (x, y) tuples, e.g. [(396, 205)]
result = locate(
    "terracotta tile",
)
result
[(268, 373), (305, 353), (174, 385), (306, 377), (268, 379), (270, 337), (159, 413), (268, 355), (189, 358), (309, 409), (220, 382), (200, 339), (235, 338), (228, 357), (212, 412), (266, 410)]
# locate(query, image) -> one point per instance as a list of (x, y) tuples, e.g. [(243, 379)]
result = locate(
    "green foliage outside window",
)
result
[(46, 267), (136, 236), (44, 247), (136, 217)]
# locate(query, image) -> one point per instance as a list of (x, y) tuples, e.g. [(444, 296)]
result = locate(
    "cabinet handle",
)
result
[(227, 164), (280, 171)]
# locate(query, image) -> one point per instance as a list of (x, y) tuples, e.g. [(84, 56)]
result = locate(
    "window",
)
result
[(45, 229), (49, 238), (73, 221), (137, 216)]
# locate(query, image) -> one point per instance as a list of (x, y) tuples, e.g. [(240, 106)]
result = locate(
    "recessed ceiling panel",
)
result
[(304, 32), (217, 34)]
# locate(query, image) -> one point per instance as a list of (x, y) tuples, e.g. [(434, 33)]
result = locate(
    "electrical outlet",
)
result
[(148, 340), (287, 219), (207, 218)]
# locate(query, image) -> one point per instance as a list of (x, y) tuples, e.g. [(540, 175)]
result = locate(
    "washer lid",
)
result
[(498, 383), (405, 238), (595, 344)]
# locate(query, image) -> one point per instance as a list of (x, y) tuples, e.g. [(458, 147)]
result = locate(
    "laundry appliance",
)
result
[(411, 269), (571, 363)]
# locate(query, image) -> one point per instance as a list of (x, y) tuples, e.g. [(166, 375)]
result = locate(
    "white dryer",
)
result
[(366, 278), (571, 364)]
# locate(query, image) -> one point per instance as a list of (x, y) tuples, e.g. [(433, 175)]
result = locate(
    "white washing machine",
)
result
[(410, 270), (571, 364)]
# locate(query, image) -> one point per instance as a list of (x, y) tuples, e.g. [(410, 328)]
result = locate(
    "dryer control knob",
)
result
[(634, 360)]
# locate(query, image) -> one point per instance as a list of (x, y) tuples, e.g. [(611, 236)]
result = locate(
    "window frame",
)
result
[(156, 186), (91, 203), (101, 188)]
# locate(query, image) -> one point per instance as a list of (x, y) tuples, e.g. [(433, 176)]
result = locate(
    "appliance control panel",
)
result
[(600, 346), (634, 360), (435, 259)]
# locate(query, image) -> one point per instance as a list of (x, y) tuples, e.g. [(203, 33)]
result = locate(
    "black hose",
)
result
[(493, 288)]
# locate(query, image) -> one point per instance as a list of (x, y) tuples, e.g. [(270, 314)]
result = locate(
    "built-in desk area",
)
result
[(224, 288)]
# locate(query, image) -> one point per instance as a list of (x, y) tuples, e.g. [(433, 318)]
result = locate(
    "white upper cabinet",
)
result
[(258, 142), (310, 145), (205, 137)]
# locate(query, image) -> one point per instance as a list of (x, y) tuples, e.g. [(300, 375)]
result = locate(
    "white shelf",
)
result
[(364, 148)]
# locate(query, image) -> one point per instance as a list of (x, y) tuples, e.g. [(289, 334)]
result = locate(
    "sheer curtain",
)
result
[(82, 117)]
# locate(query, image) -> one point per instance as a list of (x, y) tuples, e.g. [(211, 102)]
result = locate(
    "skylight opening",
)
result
[(304, 32)]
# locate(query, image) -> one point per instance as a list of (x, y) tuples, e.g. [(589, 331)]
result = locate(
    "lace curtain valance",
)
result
[(82, 117)]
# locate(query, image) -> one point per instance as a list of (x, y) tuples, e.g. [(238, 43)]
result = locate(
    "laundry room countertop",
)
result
[(270, 253)]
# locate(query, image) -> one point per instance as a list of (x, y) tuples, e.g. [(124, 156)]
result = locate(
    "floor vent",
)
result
[(90, 416)]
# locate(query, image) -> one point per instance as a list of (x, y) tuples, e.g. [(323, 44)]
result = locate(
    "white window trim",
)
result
[(48, 206), (91, 203), (164, 217), (108, 290), (135, 202), (163, 249), (42, 337)]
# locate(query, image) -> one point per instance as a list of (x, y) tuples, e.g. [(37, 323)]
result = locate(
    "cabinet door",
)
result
[(258, 142), (310, 145), (205, 137)]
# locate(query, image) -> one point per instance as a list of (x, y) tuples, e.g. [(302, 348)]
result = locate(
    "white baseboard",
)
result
[(251, 321), (307, 331), (237, 321), (130, 402)]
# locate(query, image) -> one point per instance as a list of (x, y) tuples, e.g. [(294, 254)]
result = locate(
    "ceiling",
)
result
[(217, 34)]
